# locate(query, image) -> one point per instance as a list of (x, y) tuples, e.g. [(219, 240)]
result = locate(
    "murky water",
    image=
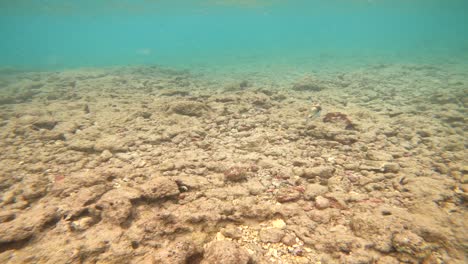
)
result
[(189, 33)]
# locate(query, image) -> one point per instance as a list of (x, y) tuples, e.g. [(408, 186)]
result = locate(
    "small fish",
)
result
[(315, 112)]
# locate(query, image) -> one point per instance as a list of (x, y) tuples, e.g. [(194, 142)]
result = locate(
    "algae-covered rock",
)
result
[(188, 108)]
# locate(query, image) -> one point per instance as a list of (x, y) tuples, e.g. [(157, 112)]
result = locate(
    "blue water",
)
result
[(65, 34)]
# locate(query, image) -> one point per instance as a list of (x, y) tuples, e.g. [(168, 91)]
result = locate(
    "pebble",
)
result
[(278, 223), (82, 223), (321, 202)]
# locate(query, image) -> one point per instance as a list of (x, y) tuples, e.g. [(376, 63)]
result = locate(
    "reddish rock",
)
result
[(235, 174), (288, 195)]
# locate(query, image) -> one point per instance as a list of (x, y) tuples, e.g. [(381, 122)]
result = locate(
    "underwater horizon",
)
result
[(191, 34)]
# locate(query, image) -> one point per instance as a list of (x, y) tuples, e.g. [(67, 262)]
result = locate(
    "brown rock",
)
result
[(226, 252), (111, 143), (81, 145), (181, 253), (26, 225), (166, 166), (322, 202), (387, 260), (379, 155), (7, 216), (412, 244), (188, 108), (271, 235), (255, 187), (34, 186), (391, 167), (289, 239), (45, 123), (51, 135), (324, 172), (116, 206), (159, 187), (105, 156), (235, 174), (232, 231), (313, 190)]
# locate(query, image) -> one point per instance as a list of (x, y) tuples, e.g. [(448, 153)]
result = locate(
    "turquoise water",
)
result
[(65, 34)]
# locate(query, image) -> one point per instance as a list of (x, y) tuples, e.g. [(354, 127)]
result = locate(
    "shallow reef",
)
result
[(156, 165)]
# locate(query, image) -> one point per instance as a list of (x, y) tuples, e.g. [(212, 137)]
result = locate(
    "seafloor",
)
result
[(156, 165)]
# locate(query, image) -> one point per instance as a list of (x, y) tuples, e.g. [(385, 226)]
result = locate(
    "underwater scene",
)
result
[(233, 131)]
